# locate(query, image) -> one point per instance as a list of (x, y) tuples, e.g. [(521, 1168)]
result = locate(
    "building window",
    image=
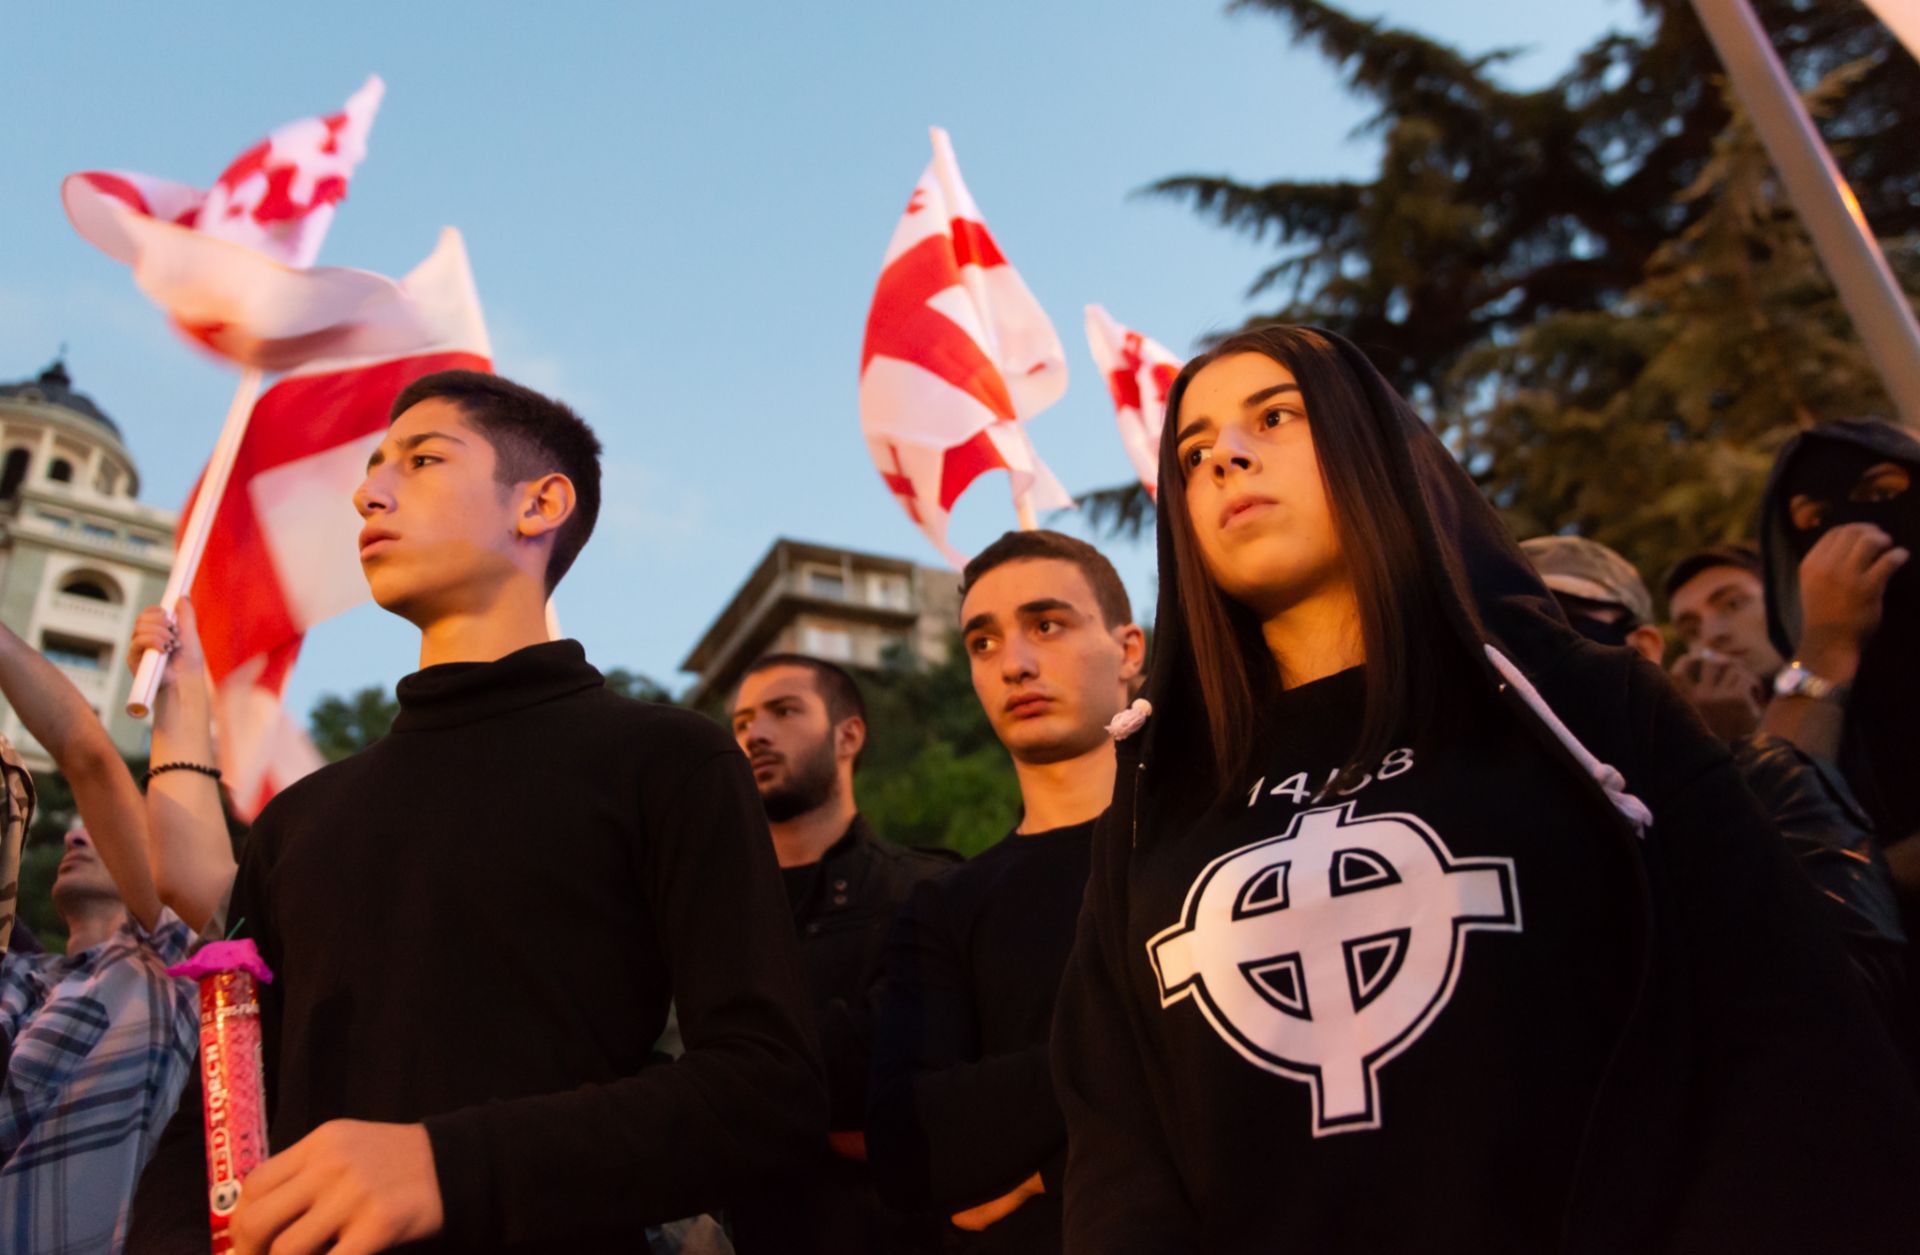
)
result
[(57, 520), (61, 472), (98, 532), (833, 644), (71, 651), (91, 585), (15, 471), (890, 589), (825, 583)]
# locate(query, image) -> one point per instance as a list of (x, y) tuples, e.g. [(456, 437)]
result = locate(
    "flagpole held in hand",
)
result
[(193, 536)]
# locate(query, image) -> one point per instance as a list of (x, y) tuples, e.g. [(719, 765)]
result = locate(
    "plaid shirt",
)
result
[(96, 1047)]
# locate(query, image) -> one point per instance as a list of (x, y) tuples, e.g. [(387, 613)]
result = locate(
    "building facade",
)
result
[(838, 604), (80, 555)]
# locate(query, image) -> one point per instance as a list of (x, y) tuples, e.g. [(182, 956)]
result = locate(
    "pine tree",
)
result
[(1521, 257)]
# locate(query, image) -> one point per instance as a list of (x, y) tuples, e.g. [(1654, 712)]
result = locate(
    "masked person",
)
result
[(1420, 923), (1840, 522), (961, 1117), (427, 1081)]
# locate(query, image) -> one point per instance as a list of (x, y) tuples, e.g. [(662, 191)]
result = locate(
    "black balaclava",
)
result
[(1880, 753)]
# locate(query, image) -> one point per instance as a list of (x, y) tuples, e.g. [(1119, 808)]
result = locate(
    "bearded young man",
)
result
[(802, 724), (430, 1078)]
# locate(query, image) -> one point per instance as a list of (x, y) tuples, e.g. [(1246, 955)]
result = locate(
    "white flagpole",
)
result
[(1023, 512), (1821, 197), (193, 535)]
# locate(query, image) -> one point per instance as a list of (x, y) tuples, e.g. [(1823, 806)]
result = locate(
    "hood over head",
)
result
[(1489, 592), (1822, 466), (1822, 462)]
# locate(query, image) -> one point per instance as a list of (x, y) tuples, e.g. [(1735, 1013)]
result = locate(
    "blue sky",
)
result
[(676, 214)]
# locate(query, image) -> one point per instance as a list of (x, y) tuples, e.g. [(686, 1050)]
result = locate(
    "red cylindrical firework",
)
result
[(232, 1080)]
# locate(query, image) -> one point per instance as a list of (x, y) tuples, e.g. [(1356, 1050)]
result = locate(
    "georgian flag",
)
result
[(958, 355), (1139, 374), (283, 554), (230, 265)]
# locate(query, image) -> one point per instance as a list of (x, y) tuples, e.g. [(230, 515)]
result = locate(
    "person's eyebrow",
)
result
[(977, 622), (1267, 394), (1199, 425), (415, 441), (1194, 428), (410, 443), (1043, 605)]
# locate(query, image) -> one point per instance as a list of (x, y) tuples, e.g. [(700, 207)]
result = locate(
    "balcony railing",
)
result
[(89, 610)]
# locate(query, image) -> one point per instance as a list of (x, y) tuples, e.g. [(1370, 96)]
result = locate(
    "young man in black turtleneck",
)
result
[(802, 724), (961, 1113), (426, 1082)]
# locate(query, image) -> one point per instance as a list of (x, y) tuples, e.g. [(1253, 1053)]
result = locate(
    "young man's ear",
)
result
[(1647, 639), (545, 504), (1133, 644), (849, 737)]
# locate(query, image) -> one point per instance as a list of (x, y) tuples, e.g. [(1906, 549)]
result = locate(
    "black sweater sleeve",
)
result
[(1122, 1192), (947, 1129), (743, 1103)]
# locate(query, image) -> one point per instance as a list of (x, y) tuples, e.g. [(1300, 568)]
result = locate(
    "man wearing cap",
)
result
[(1603, 596)]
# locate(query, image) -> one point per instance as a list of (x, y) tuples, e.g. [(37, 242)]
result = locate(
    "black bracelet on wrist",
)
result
[(202, 768)]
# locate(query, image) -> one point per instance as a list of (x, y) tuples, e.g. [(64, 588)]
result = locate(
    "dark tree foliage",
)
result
[(341, 726), (1493, 207), (1550, 273), (933, 773)]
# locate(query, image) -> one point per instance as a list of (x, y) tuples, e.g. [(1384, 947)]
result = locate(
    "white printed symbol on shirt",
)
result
[(1322, 953)]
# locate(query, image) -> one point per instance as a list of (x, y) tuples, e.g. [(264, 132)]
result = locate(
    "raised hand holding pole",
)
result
[(193, 534)]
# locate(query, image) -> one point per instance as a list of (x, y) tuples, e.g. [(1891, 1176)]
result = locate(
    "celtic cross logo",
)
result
[(1322, 953)]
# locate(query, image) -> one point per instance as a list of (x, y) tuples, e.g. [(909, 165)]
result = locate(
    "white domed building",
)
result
[(79, 554)]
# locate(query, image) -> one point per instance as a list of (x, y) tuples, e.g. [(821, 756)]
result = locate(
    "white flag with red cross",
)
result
[(1139, 374), (283, 553), (958, 355), (230, 265)]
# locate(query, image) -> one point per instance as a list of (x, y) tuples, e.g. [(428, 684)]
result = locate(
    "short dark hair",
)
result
[(532, 435), (1743, 554), (1108, 592), (838, 689)]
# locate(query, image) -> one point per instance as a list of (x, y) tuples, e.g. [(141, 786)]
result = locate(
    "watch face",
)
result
[(1795, 680)]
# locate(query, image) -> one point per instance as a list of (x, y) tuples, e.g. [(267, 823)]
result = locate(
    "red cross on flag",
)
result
[(958, 355), (229, 265), (283, 552), (1139, 373)]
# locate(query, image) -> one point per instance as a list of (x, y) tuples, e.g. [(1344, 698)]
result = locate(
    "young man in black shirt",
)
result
[(961, 1114), (425, 1083), (802, 724)]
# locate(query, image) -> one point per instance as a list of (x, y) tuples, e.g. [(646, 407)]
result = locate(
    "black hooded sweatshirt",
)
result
[(376, 888), (1880, 747), (1504, 1015)]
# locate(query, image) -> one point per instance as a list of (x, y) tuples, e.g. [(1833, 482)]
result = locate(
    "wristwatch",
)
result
[(1795, 680)]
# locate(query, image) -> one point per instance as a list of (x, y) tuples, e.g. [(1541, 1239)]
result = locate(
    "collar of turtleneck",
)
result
[(455, 693)]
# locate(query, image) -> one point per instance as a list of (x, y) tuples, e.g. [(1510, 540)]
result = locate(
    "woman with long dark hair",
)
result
[(1418, 922)]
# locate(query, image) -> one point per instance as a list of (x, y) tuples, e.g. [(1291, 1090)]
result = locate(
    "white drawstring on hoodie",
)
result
[(1608, 777), (1605, 775)]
